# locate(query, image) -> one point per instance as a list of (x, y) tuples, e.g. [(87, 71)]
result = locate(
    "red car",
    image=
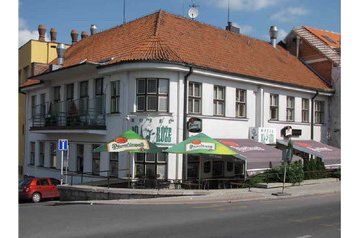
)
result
[(37, 189)]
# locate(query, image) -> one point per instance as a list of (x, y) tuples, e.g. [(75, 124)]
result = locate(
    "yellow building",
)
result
[(34, 57)]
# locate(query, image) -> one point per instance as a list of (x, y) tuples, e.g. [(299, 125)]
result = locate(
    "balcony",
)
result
[(82, 114)]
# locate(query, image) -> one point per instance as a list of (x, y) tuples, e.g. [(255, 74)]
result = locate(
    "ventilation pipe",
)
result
[(60, 53), (93, 29), (273, 35), (84, 35), (74, 36), (42, 30), (53, 34)]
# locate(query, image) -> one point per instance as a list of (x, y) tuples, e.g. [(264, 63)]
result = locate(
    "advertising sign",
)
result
[(159, 130), (263, 135), (124, 144)]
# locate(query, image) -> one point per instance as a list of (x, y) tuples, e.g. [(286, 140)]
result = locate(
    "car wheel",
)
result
[(36, 197)]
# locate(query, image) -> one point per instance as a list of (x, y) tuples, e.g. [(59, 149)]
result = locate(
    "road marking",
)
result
[(305, 236), (307, 219)]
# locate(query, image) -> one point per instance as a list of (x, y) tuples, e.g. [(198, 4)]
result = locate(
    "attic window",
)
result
[(329, 39), (106, 60)]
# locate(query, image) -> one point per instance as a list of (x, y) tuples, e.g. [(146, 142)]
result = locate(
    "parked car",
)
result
[(38, 189)]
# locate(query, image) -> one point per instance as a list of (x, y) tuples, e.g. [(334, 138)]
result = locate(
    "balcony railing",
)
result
[(83, 113)]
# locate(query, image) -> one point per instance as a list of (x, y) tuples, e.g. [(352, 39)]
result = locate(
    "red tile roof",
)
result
[(330, 38), (165, 37)]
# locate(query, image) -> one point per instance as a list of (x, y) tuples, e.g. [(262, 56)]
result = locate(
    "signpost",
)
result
[(62, 146)]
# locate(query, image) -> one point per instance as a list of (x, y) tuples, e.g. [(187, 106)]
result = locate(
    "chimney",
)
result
[(84, 35), (232, 28), (60, 53), (42, 30), (93, 29), (273, 35), (53, 34), (74, 36)]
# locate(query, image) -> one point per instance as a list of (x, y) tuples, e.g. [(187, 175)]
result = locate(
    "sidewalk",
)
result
[(307, 188)]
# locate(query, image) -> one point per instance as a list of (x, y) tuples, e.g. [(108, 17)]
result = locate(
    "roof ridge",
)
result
[(307, 27), (157, 24)]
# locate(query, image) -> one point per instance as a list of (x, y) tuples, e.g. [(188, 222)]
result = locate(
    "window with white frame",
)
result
[(56, 99), (33, 106), (240, 103), (32, 153), (151, 165), (43, 104), (41, 154), (305, 110), (274, 107), (152, 94), (219, 100), (99, 96), (115, 96), (53, 156), (83, 97), (319, 112), (290, 109), (194, 102)]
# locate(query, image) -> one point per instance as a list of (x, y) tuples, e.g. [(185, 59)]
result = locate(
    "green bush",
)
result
[(314, 169)]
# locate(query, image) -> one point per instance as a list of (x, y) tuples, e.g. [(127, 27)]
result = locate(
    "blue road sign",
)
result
[(62, 144)]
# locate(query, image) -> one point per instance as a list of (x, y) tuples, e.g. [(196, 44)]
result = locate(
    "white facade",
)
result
[(228, 126)]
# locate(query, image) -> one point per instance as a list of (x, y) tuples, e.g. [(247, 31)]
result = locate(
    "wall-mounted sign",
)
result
[(263, 135), (160, 130), (194, 125)]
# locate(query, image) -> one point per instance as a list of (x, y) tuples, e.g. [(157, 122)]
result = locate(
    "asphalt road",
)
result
[(305, 217)]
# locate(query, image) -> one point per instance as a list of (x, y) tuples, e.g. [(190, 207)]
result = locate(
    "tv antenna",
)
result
[(193, 11)]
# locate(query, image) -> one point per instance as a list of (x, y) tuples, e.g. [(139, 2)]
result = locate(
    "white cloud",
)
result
[(249, 5), (244, 29), (289, 14), (25, 34)]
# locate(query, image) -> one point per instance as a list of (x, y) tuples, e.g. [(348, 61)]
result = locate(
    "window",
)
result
[(193, 166), (229, 166), (79, 162), (194, 103), (69, 92), (238, 168), (41, 154), (32, 153), (219, 101), (218, 168), (240, 103), (152, 94), (290, 109), (83, 97), (274, 107), (56, 99), (115, 95), (319, 112), (305, 110), (207, 167), (151, 165), (43, 104), (99, 96), (53, 161), (33, 106), (113, 164), (95, 160), (42, 182)]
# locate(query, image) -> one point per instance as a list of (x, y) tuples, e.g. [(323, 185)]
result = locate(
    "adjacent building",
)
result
[(34, 58), (152, 75), (320, 51)]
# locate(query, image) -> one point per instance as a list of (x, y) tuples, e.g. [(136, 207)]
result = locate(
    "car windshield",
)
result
[(25, 182)]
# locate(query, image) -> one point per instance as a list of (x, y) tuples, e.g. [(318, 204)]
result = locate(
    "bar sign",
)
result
[(62, 144)]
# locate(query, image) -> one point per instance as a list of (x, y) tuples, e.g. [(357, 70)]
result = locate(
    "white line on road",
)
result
[(305, 236)]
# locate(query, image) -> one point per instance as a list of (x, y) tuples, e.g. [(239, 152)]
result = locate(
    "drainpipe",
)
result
[(185, 133), (312, 111)]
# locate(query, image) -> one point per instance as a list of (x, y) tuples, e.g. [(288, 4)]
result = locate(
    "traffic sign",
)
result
[(62, 144)]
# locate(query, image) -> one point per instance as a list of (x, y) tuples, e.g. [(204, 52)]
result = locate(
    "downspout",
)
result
[(185, 133), (312, 111)]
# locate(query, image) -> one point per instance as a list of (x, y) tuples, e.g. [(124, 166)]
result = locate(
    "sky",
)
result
[(254, 17)]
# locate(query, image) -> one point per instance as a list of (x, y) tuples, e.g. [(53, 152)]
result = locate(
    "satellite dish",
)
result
[(193, 12)]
